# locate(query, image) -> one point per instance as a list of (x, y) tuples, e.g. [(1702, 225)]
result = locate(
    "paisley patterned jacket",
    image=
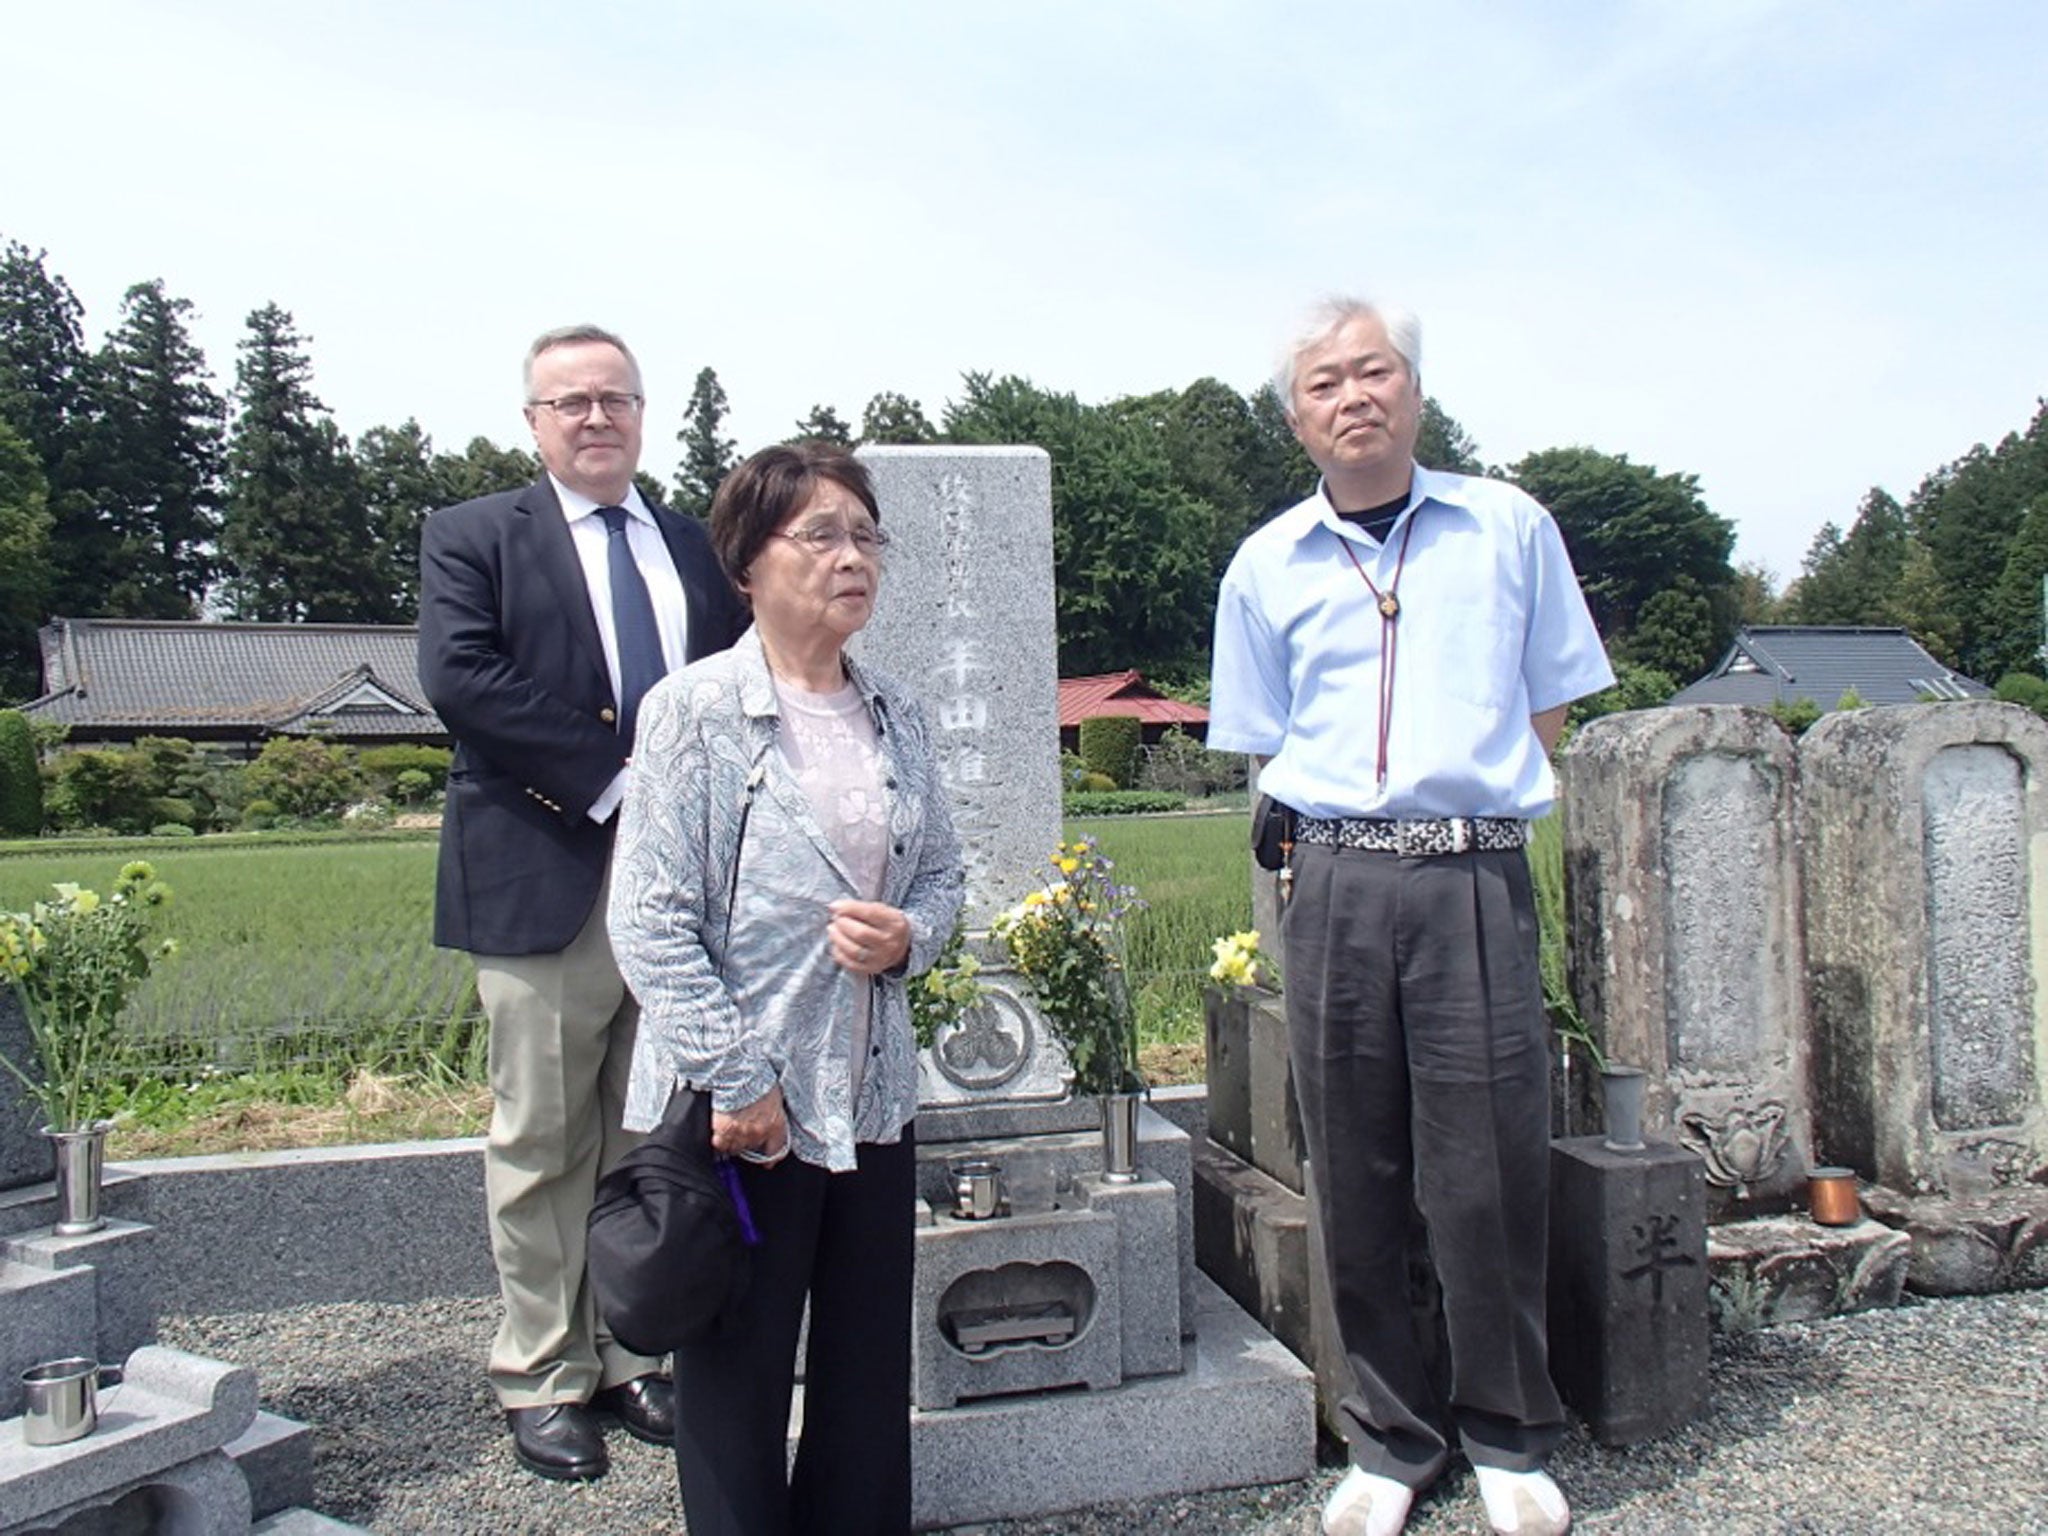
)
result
[(737, 989)]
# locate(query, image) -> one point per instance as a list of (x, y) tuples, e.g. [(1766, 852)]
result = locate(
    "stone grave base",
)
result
[(1240, 1412), (1969, 1245), (1787, 1269), (180, 1447)]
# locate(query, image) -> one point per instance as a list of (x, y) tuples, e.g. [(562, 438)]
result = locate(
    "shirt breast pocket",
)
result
[(1475, 653)]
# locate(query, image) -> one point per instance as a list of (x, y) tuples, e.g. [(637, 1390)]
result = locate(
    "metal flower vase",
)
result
[(1621, 1099), (81, 1159), (1120, 1137)]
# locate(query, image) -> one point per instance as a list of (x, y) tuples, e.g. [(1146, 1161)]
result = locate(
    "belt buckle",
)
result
[(1418, 838)]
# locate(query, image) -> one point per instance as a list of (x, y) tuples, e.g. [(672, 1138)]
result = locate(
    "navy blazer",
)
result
[(511, 660)]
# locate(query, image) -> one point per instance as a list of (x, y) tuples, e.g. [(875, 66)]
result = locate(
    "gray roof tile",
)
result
[(1821, 662), (165, 675)]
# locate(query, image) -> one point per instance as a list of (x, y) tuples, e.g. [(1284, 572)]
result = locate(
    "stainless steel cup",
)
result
[(62, 1400), (978, 1189)]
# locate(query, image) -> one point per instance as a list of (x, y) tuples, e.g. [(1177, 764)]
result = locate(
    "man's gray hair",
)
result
[(570, 336), (1403, 327)]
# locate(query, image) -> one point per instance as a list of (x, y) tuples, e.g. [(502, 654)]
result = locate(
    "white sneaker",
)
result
[(1523, 1503), (1366, 1504)]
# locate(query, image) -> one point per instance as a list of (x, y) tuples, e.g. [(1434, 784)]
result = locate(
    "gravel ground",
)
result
[(1932, 1417)]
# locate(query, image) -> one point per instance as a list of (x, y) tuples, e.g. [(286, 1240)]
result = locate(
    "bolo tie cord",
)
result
[(1389, 604)]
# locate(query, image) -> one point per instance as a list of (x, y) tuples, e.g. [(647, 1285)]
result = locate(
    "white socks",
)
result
[(1523, 1503), (1366, 1504)]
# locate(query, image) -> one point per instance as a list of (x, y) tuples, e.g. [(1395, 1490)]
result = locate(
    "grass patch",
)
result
[(307, 1005), (294, 956), (1194, 873)]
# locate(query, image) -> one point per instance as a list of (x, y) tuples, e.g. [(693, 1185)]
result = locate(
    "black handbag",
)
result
[(669, 1235)]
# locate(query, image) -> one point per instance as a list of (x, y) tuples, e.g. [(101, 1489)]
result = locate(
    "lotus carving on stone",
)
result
[(1741, 1147)]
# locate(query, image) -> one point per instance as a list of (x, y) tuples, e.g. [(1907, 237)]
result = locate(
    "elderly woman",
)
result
[(785, 861)]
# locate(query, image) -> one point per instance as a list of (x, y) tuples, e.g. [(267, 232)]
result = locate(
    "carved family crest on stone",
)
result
[(1743, 1146)]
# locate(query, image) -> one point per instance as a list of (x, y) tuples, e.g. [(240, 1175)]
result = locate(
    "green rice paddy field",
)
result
[(318, 953)]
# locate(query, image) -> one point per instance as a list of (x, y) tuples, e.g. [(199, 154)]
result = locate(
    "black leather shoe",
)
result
[(559, 1440), (645, 1408)]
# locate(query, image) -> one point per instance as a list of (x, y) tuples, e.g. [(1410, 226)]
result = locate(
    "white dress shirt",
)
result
[(657, 568)]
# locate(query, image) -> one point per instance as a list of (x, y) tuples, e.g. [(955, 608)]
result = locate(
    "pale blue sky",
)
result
[(1795, 249)]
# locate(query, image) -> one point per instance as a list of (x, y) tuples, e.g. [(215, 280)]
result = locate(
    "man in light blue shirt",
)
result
[(1399, 650)]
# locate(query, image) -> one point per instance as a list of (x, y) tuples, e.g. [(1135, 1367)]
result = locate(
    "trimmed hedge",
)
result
[(21, 784), (1120, 802), (1109, 745), (383, 765)]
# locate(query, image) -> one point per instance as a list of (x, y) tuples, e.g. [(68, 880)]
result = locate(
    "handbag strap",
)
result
[(739, 842)]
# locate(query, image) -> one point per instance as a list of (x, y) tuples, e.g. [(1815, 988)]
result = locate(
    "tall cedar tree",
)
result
[(296, 536), (46, 393), (402, 480), (160, 429), (707, 457), (824, 425), (1853, 578), (1968, 514), (24, 565), (2016, 618), (894, 418)]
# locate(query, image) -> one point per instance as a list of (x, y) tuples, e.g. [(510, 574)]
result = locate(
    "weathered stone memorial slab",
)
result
[(966, 620), (1926, 894), (1686, 945)]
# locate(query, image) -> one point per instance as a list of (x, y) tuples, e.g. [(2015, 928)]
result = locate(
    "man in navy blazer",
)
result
[(520, 654)]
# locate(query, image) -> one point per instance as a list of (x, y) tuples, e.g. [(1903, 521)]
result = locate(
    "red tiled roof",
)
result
[(1122, 693)]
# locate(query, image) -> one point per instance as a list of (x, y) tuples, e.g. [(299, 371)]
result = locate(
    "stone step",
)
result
[(303, 1522), (121, 1258), (124, 1193), (276, 1456), (1251, 1238), (45, 1314), (1787, 1269), (1241, 1412)]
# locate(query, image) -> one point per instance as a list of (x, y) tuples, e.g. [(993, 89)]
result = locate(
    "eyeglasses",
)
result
[(830, 538), (577, 407)]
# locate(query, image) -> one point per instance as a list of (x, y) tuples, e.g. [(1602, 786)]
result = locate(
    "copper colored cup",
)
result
[(1832, 1197)]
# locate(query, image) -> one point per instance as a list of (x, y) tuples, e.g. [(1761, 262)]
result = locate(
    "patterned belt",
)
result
[(1416, 839)]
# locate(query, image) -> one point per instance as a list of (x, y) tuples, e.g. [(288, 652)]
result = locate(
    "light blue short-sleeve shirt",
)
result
[(1492, 630)]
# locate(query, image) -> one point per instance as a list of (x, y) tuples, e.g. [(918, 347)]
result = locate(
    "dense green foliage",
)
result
[(21, 785), (1180, 765), (120, 496), (383, 765), (24, 562), (1652, 558), (167, 780), (1109, 746), (303, 777), (1960, 564)]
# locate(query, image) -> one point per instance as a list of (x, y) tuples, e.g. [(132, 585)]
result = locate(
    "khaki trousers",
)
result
[(562, 1029)]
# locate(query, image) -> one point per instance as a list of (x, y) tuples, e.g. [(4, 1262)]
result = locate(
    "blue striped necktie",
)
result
[(640, 660)]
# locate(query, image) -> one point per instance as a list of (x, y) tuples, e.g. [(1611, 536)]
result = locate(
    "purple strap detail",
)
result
[(731, 1176)]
